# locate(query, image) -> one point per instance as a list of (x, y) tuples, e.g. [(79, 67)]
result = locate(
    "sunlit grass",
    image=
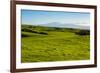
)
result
[(56, 46)]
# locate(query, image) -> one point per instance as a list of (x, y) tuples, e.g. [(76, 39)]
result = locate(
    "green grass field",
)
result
[(43, 44)]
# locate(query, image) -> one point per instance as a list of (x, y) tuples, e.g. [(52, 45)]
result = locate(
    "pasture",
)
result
[(44, 44)]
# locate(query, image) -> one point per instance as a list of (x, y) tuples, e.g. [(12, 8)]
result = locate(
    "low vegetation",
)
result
[(43, 44)]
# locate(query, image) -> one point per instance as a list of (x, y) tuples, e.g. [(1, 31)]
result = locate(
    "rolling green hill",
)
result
[(43, 44)]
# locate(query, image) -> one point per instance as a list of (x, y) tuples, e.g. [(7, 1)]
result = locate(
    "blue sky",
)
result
[(34, 17)]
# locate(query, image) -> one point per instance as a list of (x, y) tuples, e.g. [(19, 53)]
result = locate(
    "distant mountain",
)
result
[(65, 25)]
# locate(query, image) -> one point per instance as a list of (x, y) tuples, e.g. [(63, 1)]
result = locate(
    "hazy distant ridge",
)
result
[(65, 25)]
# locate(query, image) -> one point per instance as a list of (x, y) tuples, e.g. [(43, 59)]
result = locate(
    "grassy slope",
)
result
[(56, 46)]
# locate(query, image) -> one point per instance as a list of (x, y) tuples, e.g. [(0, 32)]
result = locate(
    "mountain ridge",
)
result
[(65, 25)]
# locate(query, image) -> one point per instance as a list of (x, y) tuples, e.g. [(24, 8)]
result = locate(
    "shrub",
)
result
[(43, 33), (28, 30), (83, 32), (24, 35)]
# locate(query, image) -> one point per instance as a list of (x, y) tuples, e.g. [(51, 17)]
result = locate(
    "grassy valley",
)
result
[(43, 44)]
